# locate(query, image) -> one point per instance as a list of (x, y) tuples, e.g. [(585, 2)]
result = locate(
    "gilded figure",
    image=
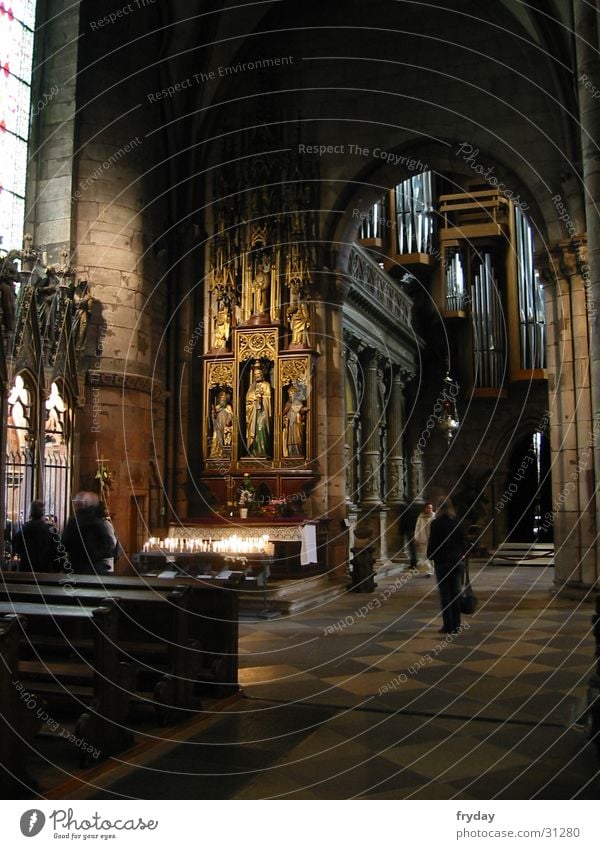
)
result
[(259, 411), (294, 425), (222, 424), (298, 319)]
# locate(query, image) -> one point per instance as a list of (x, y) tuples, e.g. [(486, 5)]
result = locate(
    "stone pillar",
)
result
[(395, 456), (571, 427), (371, 422), (351, 447), (383, 532), (416, 483), (353, 516), (117, 228), (395, 495), (329, 496), (50, 177), (586, 25), (353, 424)]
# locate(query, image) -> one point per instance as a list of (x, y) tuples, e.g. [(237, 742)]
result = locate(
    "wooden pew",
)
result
[(151, 636), (58, 680), (16, 727), (212, 622)]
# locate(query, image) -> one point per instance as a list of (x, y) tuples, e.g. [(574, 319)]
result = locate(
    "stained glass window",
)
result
[(57, 456), (17, 19), (19, 452)]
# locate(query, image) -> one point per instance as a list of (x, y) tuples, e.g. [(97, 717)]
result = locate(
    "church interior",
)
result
[(275, 277)]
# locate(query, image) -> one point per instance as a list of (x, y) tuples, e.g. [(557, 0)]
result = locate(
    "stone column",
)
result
[(353, 425), (371, 422), (395, 494), (351, 447), (571, 429), (329, 496), (395, 456), (117, 228), (416, 482), (50, 172), (586, 25), (383, 532)]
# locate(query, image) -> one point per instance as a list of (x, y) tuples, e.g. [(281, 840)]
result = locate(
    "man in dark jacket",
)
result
[(447, 548), (86, 537), (37, 542)]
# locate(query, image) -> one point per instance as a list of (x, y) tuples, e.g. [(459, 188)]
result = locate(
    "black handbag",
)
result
[(468, 600)]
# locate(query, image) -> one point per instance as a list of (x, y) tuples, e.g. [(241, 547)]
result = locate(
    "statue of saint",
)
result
[(222, 423), (298, 319), (222, 327), (46, 288), (9, 275), (259, 409), (260, 288), (294, 425), (82, 304)]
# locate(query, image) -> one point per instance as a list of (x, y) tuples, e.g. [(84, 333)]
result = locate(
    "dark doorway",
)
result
[(530, 490)]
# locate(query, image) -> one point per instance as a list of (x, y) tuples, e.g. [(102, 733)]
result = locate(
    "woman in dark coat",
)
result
[(447, 548), (88, 538), (37, 542)]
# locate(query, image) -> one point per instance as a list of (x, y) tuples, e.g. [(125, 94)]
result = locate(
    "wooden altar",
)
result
[(295, 547), (257, 412)]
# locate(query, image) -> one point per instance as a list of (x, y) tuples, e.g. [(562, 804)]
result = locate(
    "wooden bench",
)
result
[(211, 621), (151, 637), (95, 686), (17, 726)]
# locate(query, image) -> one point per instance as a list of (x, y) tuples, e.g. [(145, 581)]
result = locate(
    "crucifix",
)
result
[(104, 478)]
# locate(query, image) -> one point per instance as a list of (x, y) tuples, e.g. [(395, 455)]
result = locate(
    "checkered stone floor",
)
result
[(362, 698)]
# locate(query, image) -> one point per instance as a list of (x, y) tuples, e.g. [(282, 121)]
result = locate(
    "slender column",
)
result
[(571, 428), (416, 476), (329, 496), (395, 494), (383, 542), (371, 448), (353, 425), (395, 457), (351, 448), (586, 25)]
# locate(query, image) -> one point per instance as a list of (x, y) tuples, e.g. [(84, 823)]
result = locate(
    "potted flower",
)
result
[(246, 496), (281, 506)]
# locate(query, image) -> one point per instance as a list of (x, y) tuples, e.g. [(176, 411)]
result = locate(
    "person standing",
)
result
[(113, 550), (37, 542), (446, 548), (424, 520), (88, 537)]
